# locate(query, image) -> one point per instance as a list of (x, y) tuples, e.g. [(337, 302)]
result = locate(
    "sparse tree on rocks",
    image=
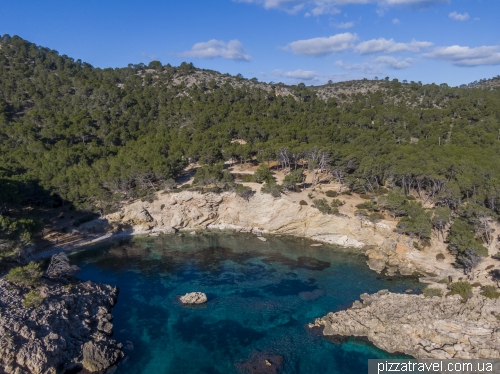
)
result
[(60, 267)]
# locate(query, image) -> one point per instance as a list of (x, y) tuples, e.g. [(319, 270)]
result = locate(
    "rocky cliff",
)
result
[(263, 214), (433, 327), (69, 330)]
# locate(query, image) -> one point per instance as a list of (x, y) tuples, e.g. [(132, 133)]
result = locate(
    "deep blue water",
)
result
[(261, 296)]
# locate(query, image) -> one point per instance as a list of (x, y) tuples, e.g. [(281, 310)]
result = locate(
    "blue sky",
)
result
[(290, 41)]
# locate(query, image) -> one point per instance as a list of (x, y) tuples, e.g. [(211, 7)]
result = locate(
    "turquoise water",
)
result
[(261, 296)]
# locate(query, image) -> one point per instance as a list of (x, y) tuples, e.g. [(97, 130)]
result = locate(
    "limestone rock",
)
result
[(194, 298), (262, 214), (425, 328), (99, 356), (72, 322)]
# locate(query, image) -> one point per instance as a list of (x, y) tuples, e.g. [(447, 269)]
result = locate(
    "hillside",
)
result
[(92, 139)]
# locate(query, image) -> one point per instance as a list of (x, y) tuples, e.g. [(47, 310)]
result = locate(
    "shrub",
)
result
[(331, 193), (303, 202), (323, 207), (310, 195), (365, 196), (243, 191), (410, 198), (367, 205), (28, 275), (431, 292), (444, 280), (440, 257), (462, 288), (490, 292), (271, 188), (382, 191), (337, 203), (292, 179), (33, 300), (248, 178), (263, 174)]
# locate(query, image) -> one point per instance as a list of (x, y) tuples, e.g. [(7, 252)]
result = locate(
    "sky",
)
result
[(290, 41)]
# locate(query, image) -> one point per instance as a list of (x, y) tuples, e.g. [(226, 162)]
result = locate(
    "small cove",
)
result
[(261, 297)]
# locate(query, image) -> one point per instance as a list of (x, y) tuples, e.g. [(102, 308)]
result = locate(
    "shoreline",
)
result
[(262, 215)]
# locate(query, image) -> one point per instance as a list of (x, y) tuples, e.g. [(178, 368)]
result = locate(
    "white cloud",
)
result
[(395, 21), (296, 74), (459, 17), (323, 46), (394, 63), (466, 56), (324, 8), (233, 50), (318, 7), (364, 68), (344, 25), (390, 46)]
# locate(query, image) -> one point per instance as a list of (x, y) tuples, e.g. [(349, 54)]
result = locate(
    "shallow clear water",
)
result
[(261, 297)]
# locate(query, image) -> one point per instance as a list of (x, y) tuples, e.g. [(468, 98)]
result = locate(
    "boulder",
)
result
[(98, 356), (194, 298)]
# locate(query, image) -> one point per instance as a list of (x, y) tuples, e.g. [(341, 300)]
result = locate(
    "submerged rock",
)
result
[(261, 363), (194, 298), (425, 328), (69, 329)]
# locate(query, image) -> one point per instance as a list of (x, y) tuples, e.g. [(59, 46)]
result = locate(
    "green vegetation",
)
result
[(26, 276), (490, 292), (432, 291), (33, 300), (325, 208), (91, 138), (272, 188), (331, 193), (263, 174), (462, 288)]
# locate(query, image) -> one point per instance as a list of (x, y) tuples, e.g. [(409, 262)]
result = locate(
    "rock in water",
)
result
[(194, 298), (423, 327), (69, 329)]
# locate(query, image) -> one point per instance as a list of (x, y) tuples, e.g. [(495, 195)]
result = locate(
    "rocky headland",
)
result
[(423, 327), (70, 330)]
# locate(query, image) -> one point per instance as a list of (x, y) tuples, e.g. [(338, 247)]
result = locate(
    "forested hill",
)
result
[(93, 136)]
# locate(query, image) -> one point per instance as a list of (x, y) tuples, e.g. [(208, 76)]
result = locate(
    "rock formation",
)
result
[(70, 329), (194, 298), (425, 328), (264, 214)]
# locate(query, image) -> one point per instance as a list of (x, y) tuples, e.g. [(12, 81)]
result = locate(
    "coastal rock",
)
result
[(99, 356), (194, 298), (262, 214), (70, 328), (425, 328)]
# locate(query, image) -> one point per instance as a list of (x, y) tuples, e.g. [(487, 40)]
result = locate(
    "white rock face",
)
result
[(262, 214), (425, 328), (194, 298)]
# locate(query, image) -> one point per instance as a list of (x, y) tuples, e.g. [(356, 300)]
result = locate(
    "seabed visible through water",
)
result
[(261, 297)]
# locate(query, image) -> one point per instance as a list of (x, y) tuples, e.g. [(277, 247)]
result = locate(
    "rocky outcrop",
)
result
[(194, 298), (69, 330), (432, 327), (263, 214)]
